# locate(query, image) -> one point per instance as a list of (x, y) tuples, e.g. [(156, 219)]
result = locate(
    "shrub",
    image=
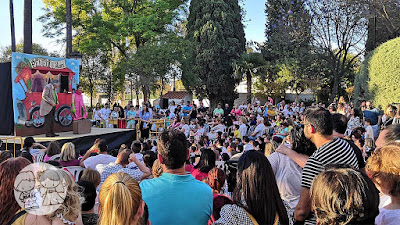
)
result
[(384, 73)]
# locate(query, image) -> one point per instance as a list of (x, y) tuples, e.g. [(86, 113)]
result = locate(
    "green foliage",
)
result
[(216, 30), (119, 29), (288, 29), (361, 91), (5, 52), (384, 73)]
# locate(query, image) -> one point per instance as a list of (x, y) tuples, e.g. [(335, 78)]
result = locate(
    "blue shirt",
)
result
[(372, 114), (177, 200), (186, 108)]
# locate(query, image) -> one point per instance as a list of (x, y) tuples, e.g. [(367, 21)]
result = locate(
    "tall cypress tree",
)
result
[(216, 30), (288, 29)]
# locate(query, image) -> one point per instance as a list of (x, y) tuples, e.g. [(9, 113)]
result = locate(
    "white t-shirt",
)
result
[(186, 130), (242, 107), (388, 217), (105, 113), (288, 178), (260, 130), (369, 132), (93, 161), (248, 147), (242, 130)]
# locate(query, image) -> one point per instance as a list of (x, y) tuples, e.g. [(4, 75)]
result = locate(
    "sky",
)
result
[(254, 23)]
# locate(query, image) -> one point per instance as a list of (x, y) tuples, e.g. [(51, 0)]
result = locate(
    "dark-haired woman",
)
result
[(288, 172), (256, 197), (34, 149), (145, 117), (9, 170), (53, 151), (206, 163)]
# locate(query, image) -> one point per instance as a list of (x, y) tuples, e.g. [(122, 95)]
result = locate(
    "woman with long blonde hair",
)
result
[(68, 155), (120, 200)]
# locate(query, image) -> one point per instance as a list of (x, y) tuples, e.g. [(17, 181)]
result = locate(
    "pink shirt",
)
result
[(237, 112), (199, 175)]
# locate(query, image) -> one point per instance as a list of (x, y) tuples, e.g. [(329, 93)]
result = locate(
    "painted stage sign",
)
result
[(30, 74)]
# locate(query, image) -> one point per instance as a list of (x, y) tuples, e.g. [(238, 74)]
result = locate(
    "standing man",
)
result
[(375, 116), (105, 114), (48, 106)]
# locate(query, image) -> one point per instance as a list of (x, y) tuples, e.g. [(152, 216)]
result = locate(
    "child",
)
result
[(369, 147), (369, 132), (236, 131), (130, 115), (383, 168)]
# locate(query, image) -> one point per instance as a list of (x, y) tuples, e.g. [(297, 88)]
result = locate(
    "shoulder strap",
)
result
[(253, 220), (17, 216)]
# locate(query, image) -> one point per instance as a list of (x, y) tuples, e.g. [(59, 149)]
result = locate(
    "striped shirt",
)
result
[(336, 152)]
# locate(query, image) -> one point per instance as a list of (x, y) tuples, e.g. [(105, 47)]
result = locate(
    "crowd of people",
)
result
[(249, 164)]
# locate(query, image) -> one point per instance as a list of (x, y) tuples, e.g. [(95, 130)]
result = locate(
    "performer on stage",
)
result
[(78, 107), (48, 106)]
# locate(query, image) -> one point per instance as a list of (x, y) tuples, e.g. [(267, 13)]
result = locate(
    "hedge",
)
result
[(379, 76)]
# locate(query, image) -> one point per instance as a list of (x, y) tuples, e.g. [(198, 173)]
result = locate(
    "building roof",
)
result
[(175, 95)]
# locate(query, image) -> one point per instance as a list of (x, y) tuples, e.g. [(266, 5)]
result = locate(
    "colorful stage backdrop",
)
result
[(29, 75)]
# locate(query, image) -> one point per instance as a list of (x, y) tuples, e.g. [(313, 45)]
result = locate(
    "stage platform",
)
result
[(114, 137)]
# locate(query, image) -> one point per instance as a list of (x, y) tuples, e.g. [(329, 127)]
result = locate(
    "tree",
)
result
[(92, 73), (384, 74), (117, 28), (248, 66), (287, 30), (339, 33), (216, 30), (288, 46), (37, 49), (12, 26), (28, 26), (384, 22)]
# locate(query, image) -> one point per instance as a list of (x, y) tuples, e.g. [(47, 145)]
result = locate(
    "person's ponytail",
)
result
[(119, 198)]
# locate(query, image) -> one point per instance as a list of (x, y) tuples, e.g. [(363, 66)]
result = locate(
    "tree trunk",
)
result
[(68, 20), (12, 26), (335, 88), (28, 26), (249, 86), (137, 97), (91, 99), (213, 103)]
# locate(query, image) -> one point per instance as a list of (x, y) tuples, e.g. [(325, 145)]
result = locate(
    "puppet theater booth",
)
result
[(21, 85)]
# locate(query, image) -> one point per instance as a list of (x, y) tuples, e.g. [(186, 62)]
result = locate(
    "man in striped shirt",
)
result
[(318, 127)]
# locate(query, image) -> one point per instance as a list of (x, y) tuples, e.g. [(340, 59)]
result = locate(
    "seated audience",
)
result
[(256, 196), (88, 192), (4, 155), (69, 210), (35, 149), (120, 201), (206, 163), (384, 169), (168, 189), (216, 180), (52, 152), (67, 156), (344, 196), (91, 162), (156, 169), (92, 176), (9, 207), (136, 170)]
